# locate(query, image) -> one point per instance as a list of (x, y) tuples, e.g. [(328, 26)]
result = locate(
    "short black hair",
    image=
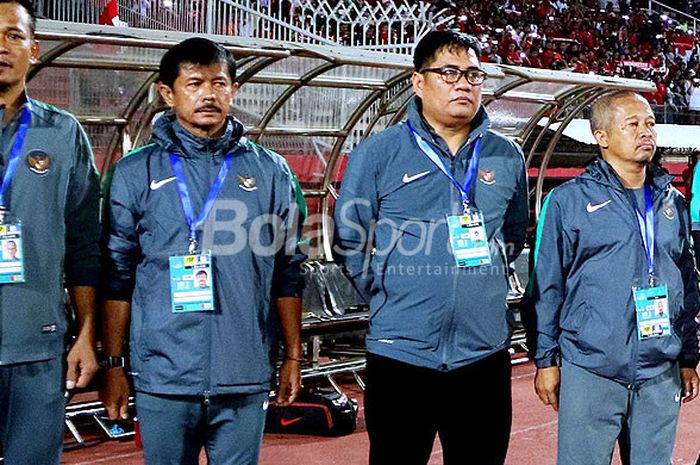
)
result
[(201, 272), (435, 42), (29, 6), (197, 51)]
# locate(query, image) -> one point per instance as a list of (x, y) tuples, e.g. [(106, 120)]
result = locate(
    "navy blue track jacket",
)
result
[(55, 193), (391, 236), (589, 253), (230, 349)]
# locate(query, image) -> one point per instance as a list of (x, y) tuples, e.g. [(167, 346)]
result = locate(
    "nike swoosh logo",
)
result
[(155, 185), (407, 178), (291, 421), (590, 208)]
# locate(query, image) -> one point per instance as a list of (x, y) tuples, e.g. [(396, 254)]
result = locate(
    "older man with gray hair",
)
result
[(615, 294)]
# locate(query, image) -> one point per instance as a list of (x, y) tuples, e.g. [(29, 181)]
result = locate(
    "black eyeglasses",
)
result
[(451, 75)]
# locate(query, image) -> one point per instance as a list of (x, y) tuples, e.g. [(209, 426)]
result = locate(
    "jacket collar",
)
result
[(172, 137), (480, 125), (600, 171), (24, 100)]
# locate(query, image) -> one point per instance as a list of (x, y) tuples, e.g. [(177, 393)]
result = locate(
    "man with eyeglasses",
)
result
[(430, 212)]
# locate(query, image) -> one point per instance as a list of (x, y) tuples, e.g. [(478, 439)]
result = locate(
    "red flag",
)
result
[(109, 14)]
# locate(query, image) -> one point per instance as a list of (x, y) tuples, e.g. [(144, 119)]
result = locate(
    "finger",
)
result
[(111, 410), (691, 390), (554, 401), (296, 387), (282, 393), (84, 375), (71, 374), (124, 409)]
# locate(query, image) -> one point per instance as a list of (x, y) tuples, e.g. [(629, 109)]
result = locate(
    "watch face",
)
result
[(113, 362)]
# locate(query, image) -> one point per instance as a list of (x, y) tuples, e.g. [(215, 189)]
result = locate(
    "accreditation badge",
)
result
[(651, 307), (191, 283), (470, 246), (12, 259)]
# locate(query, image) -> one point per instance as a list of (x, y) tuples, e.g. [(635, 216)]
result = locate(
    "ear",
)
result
[(167, 94), (418, 81), (34, 52), (601, 137)]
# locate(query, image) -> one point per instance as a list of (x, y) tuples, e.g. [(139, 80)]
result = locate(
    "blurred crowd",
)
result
[(584, 36)]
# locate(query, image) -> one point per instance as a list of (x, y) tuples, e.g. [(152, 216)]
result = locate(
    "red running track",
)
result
[(533, 439)]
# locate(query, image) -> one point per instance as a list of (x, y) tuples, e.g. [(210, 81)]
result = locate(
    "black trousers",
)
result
[(469, 408)]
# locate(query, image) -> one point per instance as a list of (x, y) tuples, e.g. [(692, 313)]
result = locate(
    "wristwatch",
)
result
[(113, 362)]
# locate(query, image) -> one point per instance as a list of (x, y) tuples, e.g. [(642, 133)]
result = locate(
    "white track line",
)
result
[(532, 428), (513, 433)]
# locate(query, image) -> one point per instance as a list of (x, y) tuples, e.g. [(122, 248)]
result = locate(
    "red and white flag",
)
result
[(110, 15)]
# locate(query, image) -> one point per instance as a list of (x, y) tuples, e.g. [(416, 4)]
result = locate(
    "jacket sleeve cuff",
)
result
[(547, 362), (86, 276), (121, 291), (288, 289)]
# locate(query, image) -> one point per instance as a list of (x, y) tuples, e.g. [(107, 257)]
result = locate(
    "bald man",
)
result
[(615, 294)]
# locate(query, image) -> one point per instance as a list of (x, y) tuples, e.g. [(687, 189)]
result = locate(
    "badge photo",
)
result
[(39, 162)]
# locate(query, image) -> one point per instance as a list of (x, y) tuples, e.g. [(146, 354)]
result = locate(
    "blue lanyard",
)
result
[(646, 227), (469, 175), (12, 161), (186, 201)]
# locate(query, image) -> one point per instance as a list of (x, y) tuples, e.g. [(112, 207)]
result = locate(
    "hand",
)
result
[(690, 384), (289, 383), (82, 363), (547, 382), (114, 394)]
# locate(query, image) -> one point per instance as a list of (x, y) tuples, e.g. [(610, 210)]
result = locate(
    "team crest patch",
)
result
[(488, 177), (247, 183), (669, 212), (39, 161)]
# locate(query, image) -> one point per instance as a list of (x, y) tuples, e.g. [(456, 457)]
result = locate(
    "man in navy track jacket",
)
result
[(430, 212), (615, 294)]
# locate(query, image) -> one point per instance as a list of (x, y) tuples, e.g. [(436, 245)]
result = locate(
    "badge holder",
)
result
[(468, 238), (192, 281), (651, 308), (12, 258)]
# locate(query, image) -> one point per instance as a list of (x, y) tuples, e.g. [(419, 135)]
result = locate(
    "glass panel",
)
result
[(293, 66), (492, 84), (362, 72), (95, 53), (547, 88), (322, 108), (101, 137), (48, 45), (244, 63), (87, 92), (382, 123), (400, 101), (509, 117), (253, 100), (306, 155)]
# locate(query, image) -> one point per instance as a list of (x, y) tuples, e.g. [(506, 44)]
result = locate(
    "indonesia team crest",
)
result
[(488, 177), (669, 212), (247, 183), (39, 162)]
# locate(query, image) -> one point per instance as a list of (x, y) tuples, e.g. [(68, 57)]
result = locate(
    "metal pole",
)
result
[(210, 17)]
